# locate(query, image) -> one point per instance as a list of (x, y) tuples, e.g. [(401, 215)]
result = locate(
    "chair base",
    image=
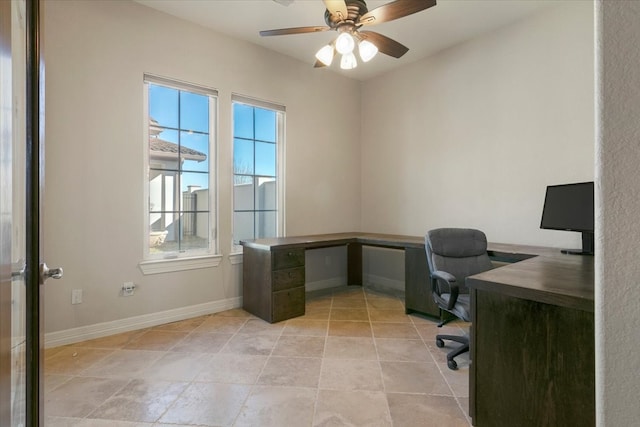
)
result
[(456, 351)]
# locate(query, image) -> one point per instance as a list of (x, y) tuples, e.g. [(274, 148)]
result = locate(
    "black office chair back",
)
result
[(461, 252)]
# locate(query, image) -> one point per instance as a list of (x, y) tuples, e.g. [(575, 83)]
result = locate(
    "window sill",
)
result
[(179, 264), (235, 258)]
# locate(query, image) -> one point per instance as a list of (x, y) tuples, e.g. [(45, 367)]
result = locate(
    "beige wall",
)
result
[(617, 208), (96, 54), (473, 135)]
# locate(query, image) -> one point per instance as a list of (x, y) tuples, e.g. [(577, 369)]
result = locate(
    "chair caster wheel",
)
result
[(439, 343), (452, 365)]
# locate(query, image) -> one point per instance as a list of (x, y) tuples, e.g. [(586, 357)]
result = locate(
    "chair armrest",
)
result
[(450, 280)]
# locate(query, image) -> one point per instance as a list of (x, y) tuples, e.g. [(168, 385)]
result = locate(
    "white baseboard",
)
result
[(99, 330)]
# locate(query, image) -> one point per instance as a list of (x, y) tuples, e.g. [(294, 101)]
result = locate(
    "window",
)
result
[(180, 154), (258, 129)]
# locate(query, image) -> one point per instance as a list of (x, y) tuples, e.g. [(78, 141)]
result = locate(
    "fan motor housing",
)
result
[(355, 9)]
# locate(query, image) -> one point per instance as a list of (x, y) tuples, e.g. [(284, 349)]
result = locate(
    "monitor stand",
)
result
[(587, 245)]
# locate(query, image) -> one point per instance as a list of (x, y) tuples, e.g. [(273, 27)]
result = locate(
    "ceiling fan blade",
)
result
[(385, 44), (318, 64), (394, 10), (296, 30), (337, 8)]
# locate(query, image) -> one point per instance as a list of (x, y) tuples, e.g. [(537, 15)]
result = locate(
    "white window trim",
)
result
[(280, 150), (166, 263), (179, 264), (235, 258)]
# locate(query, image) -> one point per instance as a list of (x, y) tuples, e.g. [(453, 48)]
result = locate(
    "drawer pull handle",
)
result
[(290, 275), (290, 254)]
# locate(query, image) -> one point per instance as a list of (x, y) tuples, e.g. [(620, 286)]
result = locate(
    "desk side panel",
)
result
[(418, 297), (256, 282), (533, 363)]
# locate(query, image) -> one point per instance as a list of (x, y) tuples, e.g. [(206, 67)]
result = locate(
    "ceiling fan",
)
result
[(347, 17)]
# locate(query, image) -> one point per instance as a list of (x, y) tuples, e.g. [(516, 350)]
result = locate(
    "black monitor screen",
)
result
[(568, 207)]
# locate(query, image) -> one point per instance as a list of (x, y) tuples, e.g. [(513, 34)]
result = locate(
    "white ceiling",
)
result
[(424, 33)]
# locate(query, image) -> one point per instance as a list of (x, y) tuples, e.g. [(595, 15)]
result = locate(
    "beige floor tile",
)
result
[(53, 381), (74, 360), (277, 407), (384, 303), (388, 315), (207, 404), (291, 371), (236, 368), (260, 327), (344, 328), (176, 367), (127, 364), (321, 313), (187, 325), (197, 342), (351, 303), (361, 348), (350, 374), (357, 408), (402, 350), (80, 396), (411, 410), (231, 369), (413, 377), (300, 346), (302, 326), (222, 324), (250, 344), (235, 312), (349, 314), (394, 330), (156, 340), (116, 341), (140, 400)]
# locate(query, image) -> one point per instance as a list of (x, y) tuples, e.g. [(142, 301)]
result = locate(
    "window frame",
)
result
[(280, 110), (190, 259)]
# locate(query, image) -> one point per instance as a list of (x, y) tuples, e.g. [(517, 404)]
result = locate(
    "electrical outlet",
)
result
[(76, 296), (128, 288)]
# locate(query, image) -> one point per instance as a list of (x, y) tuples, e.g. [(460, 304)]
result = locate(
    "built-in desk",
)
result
[(274, 271), (533, 340)]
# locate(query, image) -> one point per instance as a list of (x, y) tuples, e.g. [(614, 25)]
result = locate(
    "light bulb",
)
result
[(325, 55), (345, 43), (367, 50), (348, 61)]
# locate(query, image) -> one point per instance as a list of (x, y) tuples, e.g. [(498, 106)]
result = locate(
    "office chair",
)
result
[(453, 254)]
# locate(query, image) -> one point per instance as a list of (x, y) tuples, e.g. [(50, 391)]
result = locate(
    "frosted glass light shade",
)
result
[(345, 43), (325, 55), (348, 61), (367, 50)]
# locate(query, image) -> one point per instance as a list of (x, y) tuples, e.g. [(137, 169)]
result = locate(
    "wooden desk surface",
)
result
[(542, 274), (550, 277)]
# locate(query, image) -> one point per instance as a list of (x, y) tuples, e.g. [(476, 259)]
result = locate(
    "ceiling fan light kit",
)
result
[(347, 17)]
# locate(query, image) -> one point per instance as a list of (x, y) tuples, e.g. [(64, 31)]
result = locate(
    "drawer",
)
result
[(288, 278), (287, 304), (287, 259)]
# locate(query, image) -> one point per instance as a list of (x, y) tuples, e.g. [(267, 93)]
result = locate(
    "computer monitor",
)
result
[(570, 207)]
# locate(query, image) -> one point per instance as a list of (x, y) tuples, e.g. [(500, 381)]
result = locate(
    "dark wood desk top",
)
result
[(542, 274), (337, 239), (549, 277)]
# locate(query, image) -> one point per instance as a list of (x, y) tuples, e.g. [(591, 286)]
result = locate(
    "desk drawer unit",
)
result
[(273, 283)]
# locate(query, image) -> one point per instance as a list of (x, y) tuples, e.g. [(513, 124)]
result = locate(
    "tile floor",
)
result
[(354, 359)]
